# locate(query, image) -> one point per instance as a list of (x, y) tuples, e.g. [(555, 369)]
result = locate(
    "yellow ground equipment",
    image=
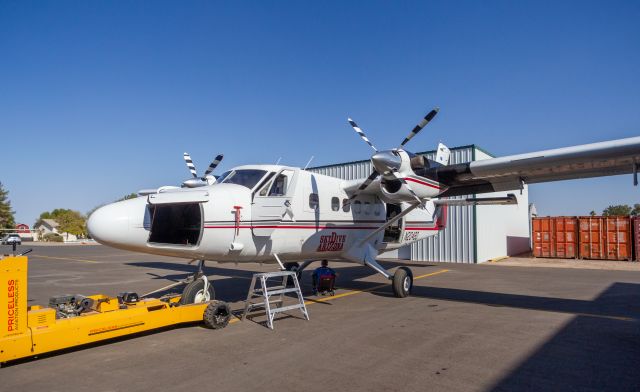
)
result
[(74, 320)]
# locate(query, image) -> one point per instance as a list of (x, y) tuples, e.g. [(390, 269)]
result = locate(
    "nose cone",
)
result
[(109, 224), (385, 161)]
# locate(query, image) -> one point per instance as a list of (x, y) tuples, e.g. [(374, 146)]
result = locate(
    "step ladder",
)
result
[(266, 293)]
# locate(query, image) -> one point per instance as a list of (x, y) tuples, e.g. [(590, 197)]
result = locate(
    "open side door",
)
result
[(272, 204)]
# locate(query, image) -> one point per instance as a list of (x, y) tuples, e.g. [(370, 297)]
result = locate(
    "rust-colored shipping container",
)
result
[(555, 236), (605, 237), (636, 237)]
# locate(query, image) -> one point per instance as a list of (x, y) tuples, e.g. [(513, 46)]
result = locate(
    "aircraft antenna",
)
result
[(307, 165), (278, 161)]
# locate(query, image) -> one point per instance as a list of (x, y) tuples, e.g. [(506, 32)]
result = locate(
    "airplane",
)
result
[(292, 217)]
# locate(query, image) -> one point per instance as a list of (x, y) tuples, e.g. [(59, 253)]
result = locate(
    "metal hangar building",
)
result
[(474, 234)]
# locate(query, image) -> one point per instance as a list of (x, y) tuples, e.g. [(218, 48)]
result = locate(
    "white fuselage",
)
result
[(285, 211)]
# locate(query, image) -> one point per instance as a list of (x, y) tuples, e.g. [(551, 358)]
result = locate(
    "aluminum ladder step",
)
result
[(267, 292)]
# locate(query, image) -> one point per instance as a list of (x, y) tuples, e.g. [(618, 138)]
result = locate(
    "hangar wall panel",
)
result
[(455, 243), (502, 230)]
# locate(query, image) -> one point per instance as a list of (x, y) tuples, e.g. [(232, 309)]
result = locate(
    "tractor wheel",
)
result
[(216, 315)]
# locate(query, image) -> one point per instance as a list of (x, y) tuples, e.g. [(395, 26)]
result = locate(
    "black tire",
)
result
[(216, 315), (193, 291), (292, 267), (402, 282)]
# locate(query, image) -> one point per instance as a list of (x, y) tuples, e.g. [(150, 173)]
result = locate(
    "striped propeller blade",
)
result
[(189, 162), (362, 135), (420, 125), (213, 165), (362, 187)]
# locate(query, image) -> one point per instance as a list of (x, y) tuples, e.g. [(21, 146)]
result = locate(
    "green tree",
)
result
[(69, 221), (592, 213), (636, 210), (129, 196), (620, 210), (7, 221)]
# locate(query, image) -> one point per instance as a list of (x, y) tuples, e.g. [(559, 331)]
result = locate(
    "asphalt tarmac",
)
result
[(465, 328)]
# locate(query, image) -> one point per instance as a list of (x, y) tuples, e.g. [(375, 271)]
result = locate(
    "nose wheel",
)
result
[(198, 291), (402, 282)]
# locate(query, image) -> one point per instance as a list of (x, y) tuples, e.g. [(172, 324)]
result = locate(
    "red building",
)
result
[(22, 228)]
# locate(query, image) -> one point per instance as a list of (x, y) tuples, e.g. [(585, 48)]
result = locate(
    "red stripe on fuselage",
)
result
[(422, 182), (293, 227)]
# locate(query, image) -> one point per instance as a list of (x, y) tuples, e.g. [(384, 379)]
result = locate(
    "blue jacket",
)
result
[(321, 271)]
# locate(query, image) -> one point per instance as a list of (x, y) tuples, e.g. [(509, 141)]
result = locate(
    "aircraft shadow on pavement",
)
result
[(598, 349), (235, 284)]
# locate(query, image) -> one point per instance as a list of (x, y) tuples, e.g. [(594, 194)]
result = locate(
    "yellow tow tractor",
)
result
[(74, 320)]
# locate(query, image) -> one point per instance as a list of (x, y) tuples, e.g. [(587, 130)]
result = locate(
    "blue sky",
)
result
[(99, 99)]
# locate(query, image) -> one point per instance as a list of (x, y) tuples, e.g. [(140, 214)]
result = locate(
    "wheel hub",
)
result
[(201, 296)]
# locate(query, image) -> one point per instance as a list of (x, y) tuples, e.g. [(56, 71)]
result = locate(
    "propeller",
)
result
[(420, 125), (388, 162), (199, 181)]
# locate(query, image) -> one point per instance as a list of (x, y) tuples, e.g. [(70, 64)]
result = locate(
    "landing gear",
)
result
[(198, 291), (295, 267), (198, 288), (402, 279), (402, 282)]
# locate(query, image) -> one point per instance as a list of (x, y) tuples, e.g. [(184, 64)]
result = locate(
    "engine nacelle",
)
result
[(395, 191)]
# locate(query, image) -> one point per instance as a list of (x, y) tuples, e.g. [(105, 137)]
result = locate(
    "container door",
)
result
[(565, 237), (636, 236), (617, 234), (591, 241)]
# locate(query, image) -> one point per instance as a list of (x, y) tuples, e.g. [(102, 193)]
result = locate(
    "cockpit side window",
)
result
[(279, 187), (266, 184)]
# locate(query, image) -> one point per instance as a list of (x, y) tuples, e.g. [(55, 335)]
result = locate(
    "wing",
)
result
[(509, 173)]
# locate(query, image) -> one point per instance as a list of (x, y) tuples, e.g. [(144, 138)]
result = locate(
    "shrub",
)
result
[(52, 237)]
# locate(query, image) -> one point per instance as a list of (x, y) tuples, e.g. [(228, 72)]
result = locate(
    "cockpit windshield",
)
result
[(245, 177)]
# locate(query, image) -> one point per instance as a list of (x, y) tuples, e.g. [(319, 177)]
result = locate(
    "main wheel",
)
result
[(295, 268), (194, 293), (216, 315), (402, 282)]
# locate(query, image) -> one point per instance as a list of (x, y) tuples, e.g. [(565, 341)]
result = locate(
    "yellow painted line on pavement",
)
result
[(354, 292), (65, 258)]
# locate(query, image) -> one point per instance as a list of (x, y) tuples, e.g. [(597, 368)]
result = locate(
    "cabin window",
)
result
[(377, 209), (357, 206), (346, 207), (314, 201), (335, 204), (367, 208)]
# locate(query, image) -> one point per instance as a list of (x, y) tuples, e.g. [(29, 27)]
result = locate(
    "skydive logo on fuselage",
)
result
[(332, 243)]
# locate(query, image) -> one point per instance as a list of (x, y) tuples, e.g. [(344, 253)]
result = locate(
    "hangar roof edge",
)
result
[(421, 153)]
